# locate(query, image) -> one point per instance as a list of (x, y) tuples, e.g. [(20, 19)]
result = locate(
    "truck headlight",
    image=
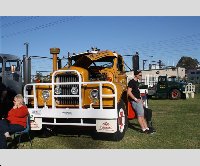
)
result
[(57, 90), (74, 90), (45, 94), (94, 94)]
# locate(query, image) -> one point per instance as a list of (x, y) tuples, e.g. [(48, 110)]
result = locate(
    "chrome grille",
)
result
[(66, 89)]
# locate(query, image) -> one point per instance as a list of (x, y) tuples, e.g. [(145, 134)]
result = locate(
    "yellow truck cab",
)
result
[(91, 90)]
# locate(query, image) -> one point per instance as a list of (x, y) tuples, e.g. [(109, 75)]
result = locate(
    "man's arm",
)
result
[(130, 94)]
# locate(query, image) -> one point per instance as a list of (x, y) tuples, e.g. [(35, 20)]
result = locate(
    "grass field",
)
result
[(177, 123)]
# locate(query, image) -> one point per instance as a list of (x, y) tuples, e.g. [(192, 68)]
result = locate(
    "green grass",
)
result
[(177, 123)]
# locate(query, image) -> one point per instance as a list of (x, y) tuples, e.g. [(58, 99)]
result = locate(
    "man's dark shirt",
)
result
[(135, 89)]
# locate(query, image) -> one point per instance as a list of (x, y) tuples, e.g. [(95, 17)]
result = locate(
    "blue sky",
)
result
[(166, 38)]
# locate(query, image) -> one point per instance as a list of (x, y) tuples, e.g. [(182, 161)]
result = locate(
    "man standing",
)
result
[(136, 101)]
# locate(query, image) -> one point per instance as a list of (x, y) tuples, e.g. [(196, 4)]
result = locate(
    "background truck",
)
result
[(10, 72), (10, 81), (167, 87), (91, 90)]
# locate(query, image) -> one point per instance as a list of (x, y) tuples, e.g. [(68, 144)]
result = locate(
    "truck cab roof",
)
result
[(98, 58), (9, 57)]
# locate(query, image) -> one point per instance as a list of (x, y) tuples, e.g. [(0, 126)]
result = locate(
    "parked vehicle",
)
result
[(167, 87), (91, 90), (10, 81), (11, 72)]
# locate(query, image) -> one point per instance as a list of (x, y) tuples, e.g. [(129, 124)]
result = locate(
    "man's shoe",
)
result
[(148, 132), (152, 129), (145, 132)]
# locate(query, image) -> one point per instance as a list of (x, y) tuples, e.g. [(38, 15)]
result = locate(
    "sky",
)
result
[(165, 38)]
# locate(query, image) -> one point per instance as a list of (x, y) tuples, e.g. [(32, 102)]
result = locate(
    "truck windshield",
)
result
[(10, 63), (104, 62), (173, 79)]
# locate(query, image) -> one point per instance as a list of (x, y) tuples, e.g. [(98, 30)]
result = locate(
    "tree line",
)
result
[(188, 63)]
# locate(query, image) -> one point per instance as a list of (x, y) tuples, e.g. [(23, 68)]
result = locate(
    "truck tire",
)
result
[(122, 122), (175, 94), (122, 126)]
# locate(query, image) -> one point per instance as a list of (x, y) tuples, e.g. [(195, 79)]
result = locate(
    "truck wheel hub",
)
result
[(121, 120)]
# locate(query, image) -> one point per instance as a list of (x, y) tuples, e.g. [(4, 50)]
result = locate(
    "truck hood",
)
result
[(82, 71), (181, 83), (100, 55), (86, 60)]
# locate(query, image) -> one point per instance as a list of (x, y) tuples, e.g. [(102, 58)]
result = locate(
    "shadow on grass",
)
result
[(67, 133), (64, 131), (73, 132), (134, 126), (70, 131)]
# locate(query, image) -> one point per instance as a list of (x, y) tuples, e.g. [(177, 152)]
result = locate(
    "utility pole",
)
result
[(150, 65), (26, 48), (144, 61), (135, 61), (160, 64)]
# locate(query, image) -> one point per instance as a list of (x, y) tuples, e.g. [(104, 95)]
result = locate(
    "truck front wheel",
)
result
[(122, 122), (175, 94)]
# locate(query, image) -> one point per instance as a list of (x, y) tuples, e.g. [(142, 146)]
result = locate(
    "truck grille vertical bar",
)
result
[(71, 78)]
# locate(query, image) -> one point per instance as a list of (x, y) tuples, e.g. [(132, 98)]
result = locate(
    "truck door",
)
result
[(121, 71), (13, 80), (162, 84)]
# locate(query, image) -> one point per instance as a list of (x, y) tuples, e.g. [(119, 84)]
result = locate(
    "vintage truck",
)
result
[(168, 88), (91, 90)]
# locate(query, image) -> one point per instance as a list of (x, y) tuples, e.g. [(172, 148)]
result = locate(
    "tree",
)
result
[(187, 63)]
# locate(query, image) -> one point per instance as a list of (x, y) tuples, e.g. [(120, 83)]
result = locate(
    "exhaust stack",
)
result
[(27, 69), (55, 52)]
